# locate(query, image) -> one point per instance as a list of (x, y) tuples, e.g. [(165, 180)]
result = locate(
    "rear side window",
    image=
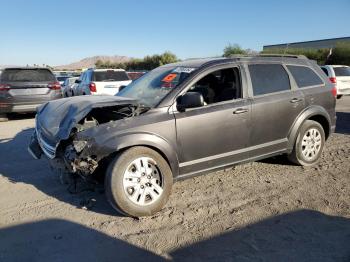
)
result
[(342, 71), (325, 70), (304, 76), (268, 79), (110, 75), (27, 75)]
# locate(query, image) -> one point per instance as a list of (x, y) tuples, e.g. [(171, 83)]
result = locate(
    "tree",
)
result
[(234, 49), (147, 63)]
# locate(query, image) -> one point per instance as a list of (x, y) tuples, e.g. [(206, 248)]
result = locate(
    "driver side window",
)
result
[(218, 86)]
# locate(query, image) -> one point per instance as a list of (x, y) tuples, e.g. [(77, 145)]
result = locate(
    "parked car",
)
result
[(61, 79), (101, 81), (22, 89), (68, 86), (189, 118), (339, 75)]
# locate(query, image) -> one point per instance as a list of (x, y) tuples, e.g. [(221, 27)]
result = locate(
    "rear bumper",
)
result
[(23, 106), (343, 91)]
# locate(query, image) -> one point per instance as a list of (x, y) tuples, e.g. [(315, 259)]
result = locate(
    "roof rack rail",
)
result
[(270, 55)]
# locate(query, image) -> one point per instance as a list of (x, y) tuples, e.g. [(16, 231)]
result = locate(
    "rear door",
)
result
[(275, 107), (310, 83)]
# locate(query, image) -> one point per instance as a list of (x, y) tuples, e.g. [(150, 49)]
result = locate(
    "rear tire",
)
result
[(339, 96), (138, 182), (309, 144)]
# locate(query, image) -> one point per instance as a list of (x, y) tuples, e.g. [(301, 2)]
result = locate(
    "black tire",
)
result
[(3, 118), (114, 187), (339, 96), (297, 156)]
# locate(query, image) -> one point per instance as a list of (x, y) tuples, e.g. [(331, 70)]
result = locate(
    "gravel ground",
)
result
[(262, 211)]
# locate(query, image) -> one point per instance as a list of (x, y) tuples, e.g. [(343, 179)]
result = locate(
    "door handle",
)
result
[(240, 111), (296, 100)]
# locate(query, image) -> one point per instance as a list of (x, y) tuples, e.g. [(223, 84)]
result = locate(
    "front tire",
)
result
[(339, 96), (138, 182), (309, 144)]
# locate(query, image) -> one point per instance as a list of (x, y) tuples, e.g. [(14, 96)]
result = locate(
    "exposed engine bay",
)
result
[(85, 163), (59, 125)]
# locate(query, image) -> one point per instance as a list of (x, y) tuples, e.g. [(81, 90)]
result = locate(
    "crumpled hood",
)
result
[(57, 118)]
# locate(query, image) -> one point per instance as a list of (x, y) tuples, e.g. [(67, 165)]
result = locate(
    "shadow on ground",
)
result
[(14, 116), (298, 236), (61, 240), (20, 166), (343, 123)]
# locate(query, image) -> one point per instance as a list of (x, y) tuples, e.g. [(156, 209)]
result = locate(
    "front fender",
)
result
[(146, 139), (303, 116)]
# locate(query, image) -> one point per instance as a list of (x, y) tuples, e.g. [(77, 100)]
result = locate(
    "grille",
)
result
[(50, 151)]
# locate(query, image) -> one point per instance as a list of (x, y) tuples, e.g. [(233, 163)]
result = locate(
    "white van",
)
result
[(101, 81)]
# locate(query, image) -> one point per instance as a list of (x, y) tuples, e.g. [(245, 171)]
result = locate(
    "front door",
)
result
[(216, 134)]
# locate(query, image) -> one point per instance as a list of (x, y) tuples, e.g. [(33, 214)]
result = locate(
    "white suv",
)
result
[(101, 81), (340, 76)]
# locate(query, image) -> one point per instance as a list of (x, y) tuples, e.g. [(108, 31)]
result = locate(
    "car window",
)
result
[(218, 86), (325, 70), (110, 75), (27, 75), (268, 78), (152, 87), (342, 71), (304, 76), (84, 77)]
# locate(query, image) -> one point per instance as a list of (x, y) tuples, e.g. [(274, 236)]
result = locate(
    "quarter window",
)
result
[(304, 76), (268, 79)]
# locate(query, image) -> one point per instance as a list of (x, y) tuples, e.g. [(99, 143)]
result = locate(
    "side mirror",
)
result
[(189, 100), (78, 81)]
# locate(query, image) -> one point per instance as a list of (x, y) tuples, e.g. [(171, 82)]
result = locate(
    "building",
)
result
[(316, 44)]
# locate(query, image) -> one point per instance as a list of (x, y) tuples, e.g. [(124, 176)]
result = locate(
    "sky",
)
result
[(60, 32)]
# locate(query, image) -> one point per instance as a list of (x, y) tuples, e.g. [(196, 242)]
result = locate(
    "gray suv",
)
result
[(185, 119), (23, 89)]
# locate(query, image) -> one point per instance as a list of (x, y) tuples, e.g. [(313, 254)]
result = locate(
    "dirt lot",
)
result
[(264, 211)]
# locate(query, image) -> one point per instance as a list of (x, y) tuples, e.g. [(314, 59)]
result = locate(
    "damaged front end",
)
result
[(58, 128)]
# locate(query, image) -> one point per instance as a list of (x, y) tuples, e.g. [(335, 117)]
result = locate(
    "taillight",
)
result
[(92, 87), (4, 87), (334, 91), (54, 85), (333, 80)]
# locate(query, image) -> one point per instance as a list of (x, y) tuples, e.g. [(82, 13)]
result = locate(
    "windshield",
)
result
[(152, 87)]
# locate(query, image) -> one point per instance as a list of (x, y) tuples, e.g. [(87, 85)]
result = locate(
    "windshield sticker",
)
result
[(187, 70), (169, 78)]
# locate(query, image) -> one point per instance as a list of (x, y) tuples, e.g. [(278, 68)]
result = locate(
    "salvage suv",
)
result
[(189, 118)]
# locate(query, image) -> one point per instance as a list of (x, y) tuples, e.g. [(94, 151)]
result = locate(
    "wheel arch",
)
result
[(156, 143), (315, 113)]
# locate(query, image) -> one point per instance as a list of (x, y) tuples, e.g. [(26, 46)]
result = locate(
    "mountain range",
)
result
[(90, 62)]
